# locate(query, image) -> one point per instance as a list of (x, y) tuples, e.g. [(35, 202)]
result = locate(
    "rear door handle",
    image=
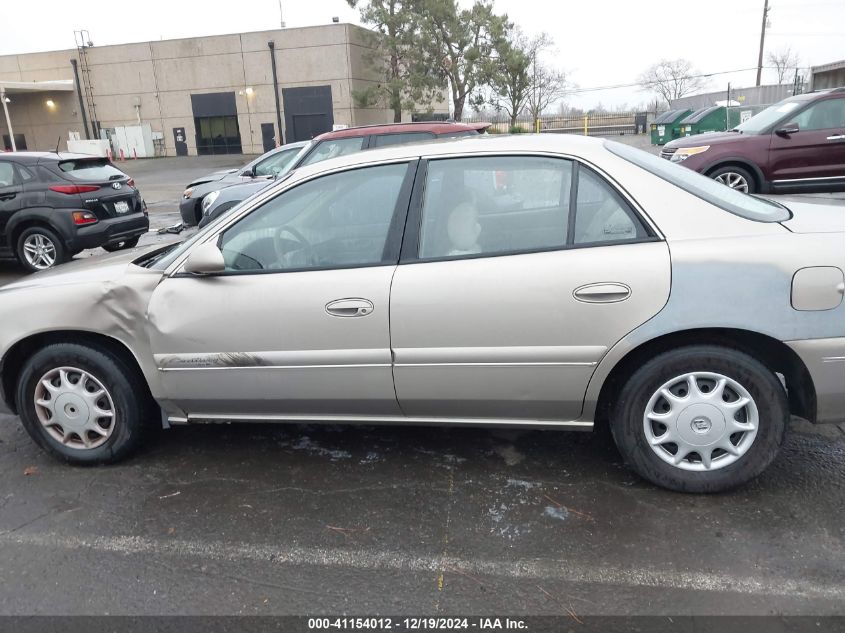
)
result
[(836, 137), (609, 292), (7, 196), (350, 307)]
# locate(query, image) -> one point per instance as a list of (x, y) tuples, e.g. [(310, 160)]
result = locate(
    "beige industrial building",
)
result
[(202, 95)]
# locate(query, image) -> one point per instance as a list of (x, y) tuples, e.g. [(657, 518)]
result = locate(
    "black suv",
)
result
[(53, 206)]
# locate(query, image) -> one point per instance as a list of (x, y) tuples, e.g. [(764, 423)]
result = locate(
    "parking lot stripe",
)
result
[(560, 570)]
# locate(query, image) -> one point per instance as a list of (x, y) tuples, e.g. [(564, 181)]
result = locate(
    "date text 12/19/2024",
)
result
[(416, 624)]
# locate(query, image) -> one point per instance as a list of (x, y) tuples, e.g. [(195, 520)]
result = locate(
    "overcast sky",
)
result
[(600, 42)]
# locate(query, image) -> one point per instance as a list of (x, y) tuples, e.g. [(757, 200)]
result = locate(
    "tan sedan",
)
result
[(534, 281)]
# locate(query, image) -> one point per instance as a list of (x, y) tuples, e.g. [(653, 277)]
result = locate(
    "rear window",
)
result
[(722, 196), (91, 169)]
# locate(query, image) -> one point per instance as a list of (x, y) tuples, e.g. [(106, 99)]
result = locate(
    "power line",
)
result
[(638, 84)]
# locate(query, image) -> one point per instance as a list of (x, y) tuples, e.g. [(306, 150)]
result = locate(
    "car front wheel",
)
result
[(700, 419), (82, 405), (735, 178)]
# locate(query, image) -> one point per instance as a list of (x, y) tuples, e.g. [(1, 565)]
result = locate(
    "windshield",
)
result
[(763, 120), (722, 196)]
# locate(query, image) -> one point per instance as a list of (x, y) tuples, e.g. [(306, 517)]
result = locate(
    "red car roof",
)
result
[(436, 127)]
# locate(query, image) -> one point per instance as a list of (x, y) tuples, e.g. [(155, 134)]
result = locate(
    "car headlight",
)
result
[(685, 152), (187, 193), (209, 200)]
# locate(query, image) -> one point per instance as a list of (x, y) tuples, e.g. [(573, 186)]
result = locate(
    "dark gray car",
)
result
[(264, 168)]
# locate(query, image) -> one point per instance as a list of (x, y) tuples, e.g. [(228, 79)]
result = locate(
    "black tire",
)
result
[(119, 246), (132, 410), (627, 424), (46, 234), (747, 175)]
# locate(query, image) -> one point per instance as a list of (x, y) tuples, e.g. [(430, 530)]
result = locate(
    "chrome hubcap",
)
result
[(39, 251), (733, 180), (74, 408), (701, 421)]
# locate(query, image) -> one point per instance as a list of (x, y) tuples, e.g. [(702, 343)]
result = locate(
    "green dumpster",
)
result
[(665, 127), (716, 119)]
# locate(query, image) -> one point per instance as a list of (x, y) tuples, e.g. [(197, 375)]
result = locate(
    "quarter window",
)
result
[(602, 215), (335, 221), (24, 174)]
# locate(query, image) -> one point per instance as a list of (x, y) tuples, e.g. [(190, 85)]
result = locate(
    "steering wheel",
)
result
[(282, 251)]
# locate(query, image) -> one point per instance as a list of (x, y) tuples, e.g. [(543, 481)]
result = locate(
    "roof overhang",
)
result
[(827, 67), (20, 87)]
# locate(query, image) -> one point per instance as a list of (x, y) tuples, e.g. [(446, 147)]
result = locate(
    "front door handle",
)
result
[(350, 307), (836, 137), (609, 292), (7, 196)]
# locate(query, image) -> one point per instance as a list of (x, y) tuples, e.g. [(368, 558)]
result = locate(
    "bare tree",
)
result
[(671, 79), (547, 86), (785, 62)]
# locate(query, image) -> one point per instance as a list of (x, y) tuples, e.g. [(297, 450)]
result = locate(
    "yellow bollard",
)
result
[(537, 125), (585, 125)]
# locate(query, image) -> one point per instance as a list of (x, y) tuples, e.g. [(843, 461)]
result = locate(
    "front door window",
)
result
[(336, 221)]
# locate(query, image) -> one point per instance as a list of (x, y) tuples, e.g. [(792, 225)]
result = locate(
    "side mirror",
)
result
[(205, 259), (249, 173), (786, 130)]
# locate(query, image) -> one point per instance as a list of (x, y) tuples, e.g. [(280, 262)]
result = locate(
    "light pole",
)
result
[(8, 120), (762, 40)]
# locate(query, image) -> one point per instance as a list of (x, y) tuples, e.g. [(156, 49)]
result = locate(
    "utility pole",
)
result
[(534, 92), (8, 120), (762, 40)]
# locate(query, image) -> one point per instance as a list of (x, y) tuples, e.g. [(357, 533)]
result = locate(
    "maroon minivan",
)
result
[(796, 145)]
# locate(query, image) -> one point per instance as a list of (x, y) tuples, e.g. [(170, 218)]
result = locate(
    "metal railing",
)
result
[(589, 124)]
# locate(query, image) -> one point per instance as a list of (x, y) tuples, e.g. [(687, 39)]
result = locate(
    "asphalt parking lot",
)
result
[(295, 519)]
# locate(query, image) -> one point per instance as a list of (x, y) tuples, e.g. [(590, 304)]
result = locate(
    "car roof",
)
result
[(38, 157), (436, 127), (583, 146)]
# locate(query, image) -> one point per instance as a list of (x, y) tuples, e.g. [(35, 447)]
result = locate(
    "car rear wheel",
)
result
[(119, 246), (82, 405), (39, 248), (700, 419), (735, 178)]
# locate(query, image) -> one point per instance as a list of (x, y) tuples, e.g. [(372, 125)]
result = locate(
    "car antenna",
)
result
[(58, 141)]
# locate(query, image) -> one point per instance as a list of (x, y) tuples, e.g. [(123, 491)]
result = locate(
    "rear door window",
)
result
[(493, 205), (91, 169), (7, 174)]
